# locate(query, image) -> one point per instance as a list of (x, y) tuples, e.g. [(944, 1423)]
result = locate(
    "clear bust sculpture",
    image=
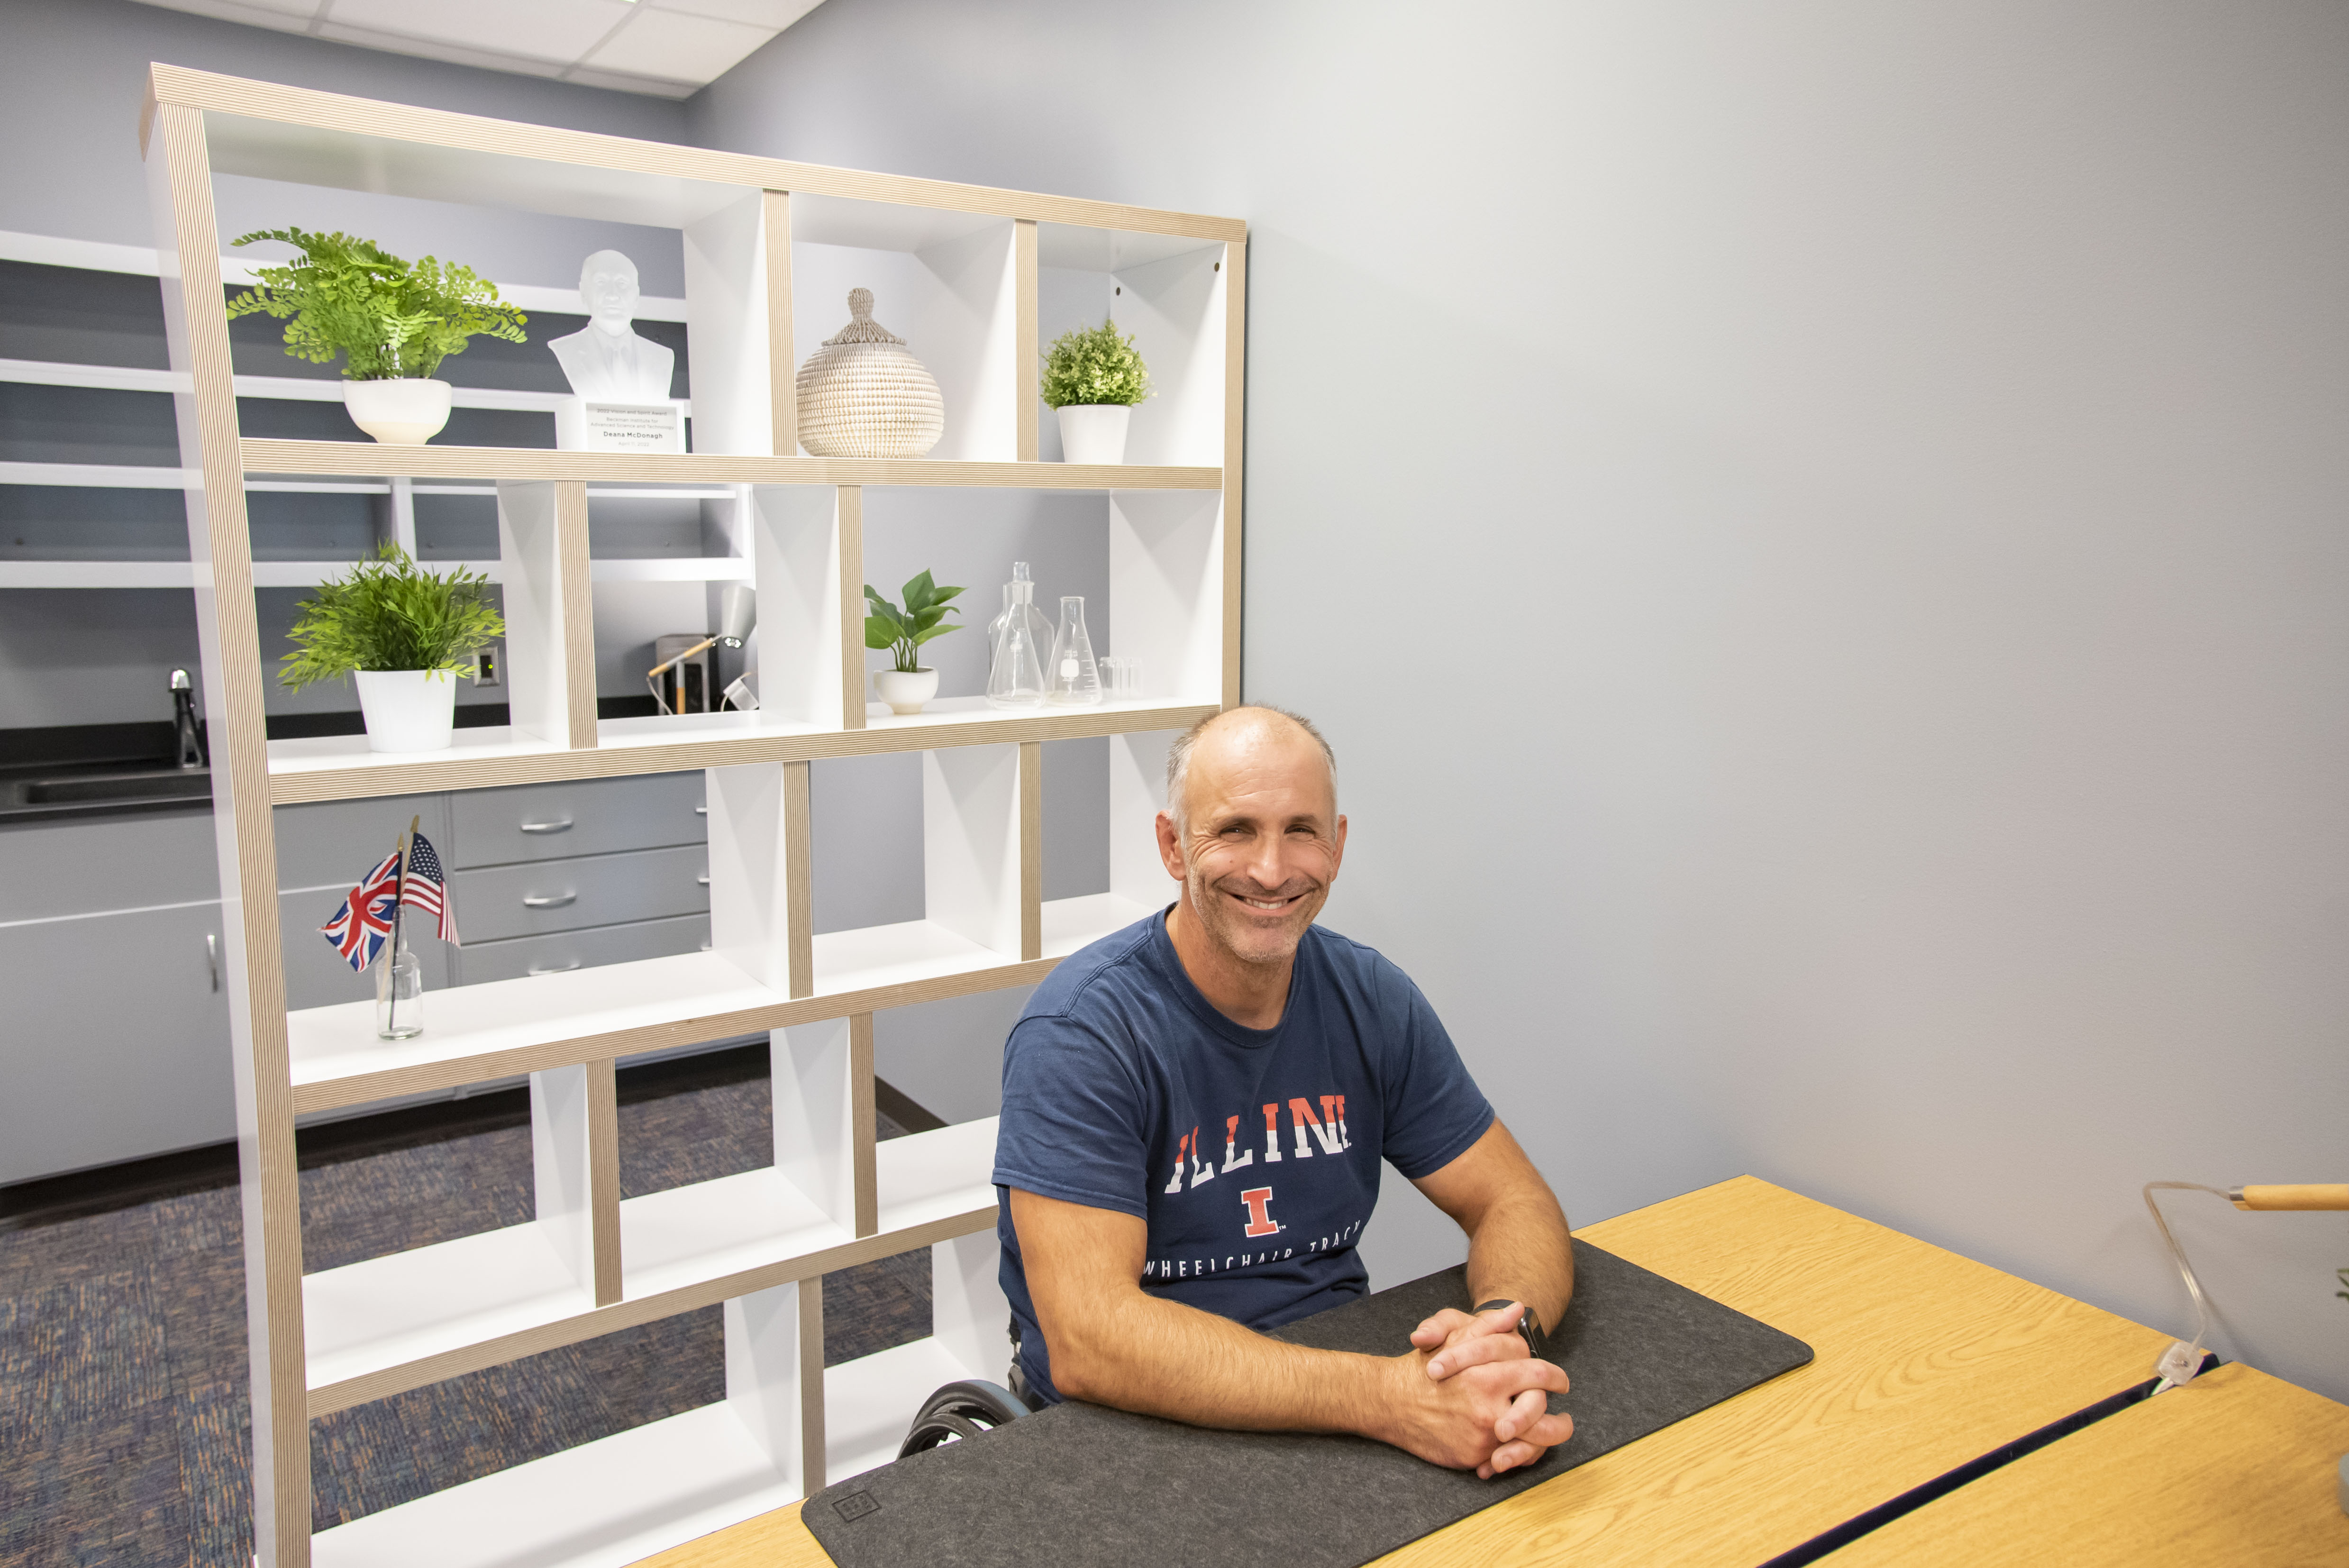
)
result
[(605, 359)]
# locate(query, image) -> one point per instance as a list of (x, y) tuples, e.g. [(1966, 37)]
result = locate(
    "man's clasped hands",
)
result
[(1473, 1394)]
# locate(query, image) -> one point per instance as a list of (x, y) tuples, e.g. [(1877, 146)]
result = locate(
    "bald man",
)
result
[(1195, 1111)]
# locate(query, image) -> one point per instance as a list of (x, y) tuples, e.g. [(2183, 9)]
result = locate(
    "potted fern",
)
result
[(1092, 378), (393, 320), (403, 634), (908, 683)]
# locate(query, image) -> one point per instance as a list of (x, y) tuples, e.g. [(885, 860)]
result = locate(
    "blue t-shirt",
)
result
[(1252, 1153)]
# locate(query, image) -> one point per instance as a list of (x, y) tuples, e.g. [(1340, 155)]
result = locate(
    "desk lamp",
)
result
[(737, 612), (2181, 1361)]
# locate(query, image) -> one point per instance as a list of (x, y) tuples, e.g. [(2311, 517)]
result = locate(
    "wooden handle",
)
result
[(2299, 1195)]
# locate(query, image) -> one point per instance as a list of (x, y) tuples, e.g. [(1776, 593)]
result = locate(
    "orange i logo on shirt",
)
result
[(1259, 1208)]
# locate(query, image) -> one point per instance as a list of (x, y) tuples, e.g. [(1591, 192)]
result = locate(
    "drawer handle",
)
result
[(703, 880), (560, 824), (212, 957), (555, 968), (701, 810), (549, 900)]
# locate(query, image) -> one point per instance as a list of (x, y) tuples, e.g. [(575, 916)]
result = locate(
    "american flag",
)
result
[(426, 889), (361, 925)]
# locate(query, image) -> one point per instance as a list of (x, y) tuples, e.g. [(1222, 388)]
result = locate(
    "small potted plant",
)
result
[(404, 634), (910, 683), (1092, 378), (394, 321)]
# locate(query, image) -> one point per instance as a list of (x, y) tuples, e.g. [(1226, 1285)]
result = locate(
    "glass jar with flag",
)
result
[(370, 920)]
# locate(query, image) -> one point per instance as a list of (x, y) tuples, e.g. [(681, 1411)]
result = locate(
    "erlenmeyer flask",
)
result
[(1072, 680), (1017, 640)]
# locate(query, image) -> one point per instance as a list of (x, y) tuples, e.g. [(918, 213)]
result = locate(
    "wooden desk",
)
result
[(1925, 1360), (2236, 1468)]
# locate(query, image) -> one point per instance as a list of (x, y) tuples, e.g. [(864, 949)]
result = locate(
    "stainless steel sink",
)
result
[(99, 789)]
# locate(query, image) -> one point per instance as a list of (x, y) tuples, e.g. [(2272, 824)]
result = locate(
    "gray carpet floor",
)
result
[(124, 1425)]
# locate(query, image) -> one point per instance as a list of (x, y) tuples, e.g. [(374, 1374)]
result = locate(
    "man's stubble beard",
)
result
[(1231, 931)]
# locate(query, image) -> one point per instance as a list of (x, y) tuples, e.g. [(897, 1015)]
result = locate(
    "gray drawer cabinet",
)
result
[(333, 842), (117, 1044), (532, 900), (477, 963), (589, 816)]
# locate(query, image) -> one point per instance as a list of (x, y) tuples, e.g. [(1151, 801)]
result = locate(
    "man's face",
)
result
[(1261, 837), (611, 292)]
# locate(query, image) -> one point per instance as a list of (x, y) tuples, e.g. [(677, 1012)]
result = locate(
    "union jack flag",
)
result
[(363, 924), (426, 889)]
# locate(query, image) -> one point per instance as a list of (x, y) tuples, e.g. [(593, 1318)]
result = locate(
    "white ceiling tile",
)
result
[(562, 30), (772, 14), (433, 49), (670, 44)]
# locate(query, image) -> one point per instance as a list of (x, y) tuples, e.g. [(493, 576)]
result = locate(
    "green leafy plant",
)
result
[(391, 317), (903, 631), (1094, 365), (391, 614)]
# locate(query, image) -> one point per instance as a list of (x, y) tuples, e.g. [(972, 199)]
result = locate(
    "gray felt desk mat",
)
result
[(1081, 1484)]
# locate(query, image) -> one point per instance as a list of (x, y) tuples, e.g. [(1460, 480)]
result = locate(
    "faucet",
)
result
[(188, 741)]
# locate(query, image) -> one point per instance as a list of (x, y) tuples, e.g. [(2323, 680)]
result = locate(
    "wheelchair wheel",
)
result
[(960, 1410)]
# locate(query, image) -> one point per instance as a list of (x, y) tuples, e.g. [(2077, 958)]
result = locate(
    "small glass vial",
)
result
[(399, 991), (1120, 678), (1072, 680), (1018, 640)]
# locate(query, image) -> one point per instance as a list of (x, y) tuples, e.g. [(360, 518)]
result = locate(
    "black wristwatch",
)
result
[(1529, 1327)]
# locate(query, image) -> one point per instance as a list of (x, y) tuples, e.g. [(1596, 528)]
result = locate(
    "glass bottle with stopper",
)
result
[(1018, 639), (1072, 680)]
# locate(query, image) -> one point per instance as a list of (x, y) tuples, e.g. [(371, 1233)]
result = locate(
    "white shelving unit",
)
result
[(769, 247)]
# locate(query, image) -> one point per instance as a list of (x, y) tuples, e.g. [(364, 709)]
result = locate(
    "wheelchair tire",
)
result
[(960, 1411)]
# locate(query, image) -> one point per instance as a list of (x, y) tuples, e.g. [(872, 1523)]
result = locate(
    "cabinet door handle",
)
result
[(212, 957), (554, 967), (560, 824), (549, 900), (701, 810)]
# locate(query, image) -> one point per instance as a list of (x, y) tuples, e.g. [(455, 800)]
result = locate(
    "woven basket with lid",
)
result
[(862, 394)]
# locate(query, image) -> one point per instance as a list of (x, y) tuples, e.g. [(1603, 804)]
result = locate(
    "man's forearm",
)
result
[(1162, 1358), (1520, 1251)]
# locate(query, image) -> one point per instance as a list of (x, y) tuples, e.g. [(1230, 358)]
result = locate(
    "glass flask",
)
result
[(1018, 641), (398, 991), (1072, 680)]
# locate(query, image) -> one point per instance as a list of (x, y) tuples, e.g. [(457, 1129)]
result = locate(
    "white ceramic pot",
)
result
[(407, 710), (1094, 432), (407, 411), (905, 690)]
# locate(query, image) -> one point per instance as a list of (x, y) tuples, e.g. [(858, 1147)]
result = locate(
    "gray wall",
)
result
[(1850, 498)]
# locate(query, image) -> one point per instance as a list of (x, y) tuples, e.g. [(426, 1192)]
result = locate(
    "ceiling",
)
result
[(665, 47)]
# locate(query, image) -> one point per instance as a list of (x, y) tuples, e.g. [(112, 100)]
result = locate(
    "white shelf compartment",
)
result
[(368, 1321), (1166, 292), (365, 1318), (600, 1505), (941, 1175), (622, 1498), (871, 958), (475, 1032), (1073, 923), (688, 1235), (868, 1403)]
